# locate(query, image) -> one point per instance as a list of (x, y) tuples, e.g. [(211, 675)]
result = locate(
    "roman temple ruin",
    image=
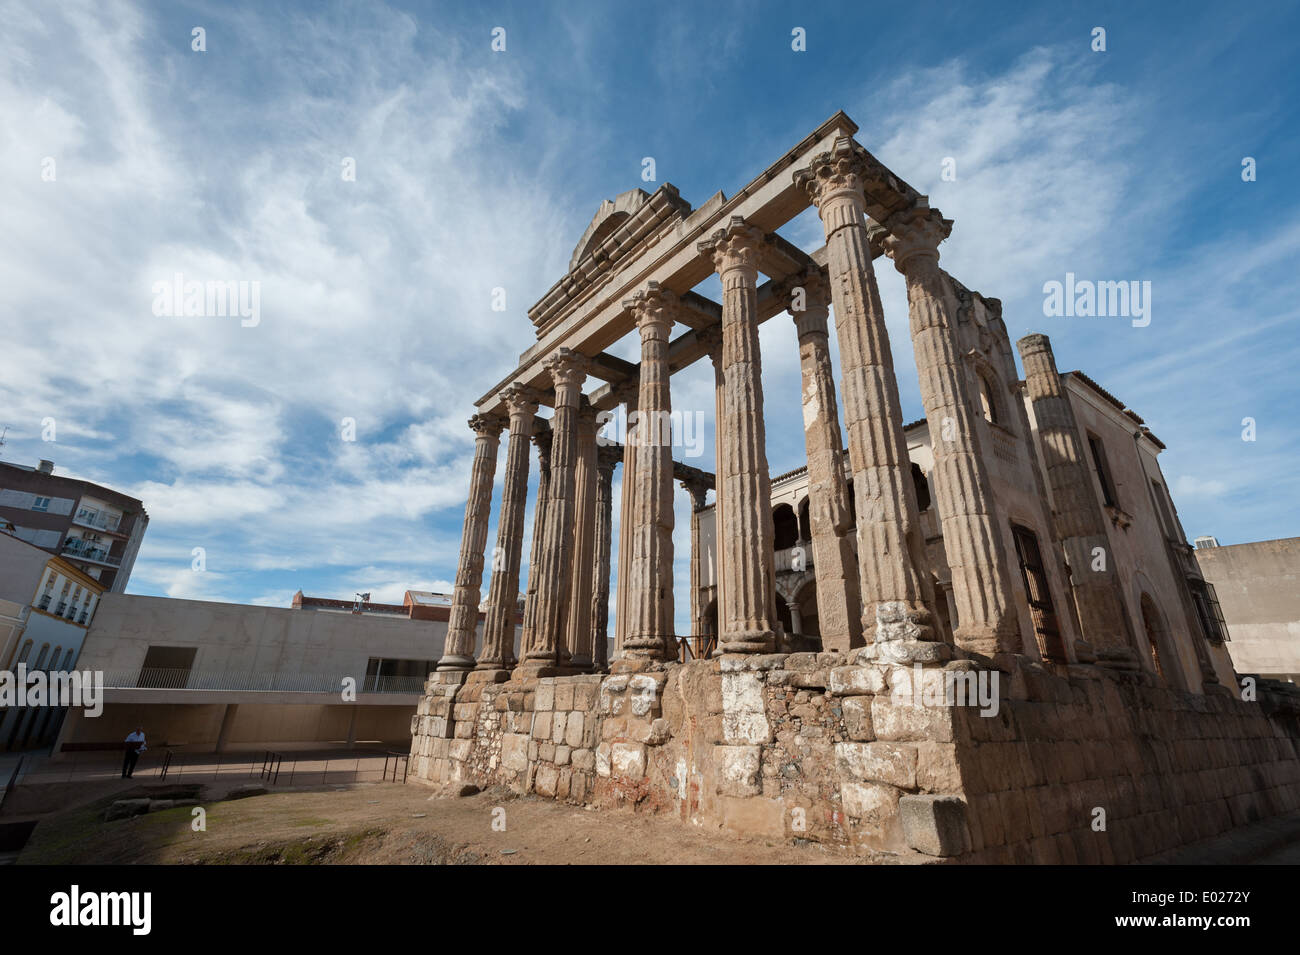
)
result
[(978, 637)]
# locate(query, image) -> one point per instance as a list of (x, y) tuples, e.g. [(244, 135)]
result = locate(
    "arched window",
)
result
[(922, 487), (805, 521), (67, 660), (23, 654), (785, 527), (40, 658), (54, 657), (989, 398), (1154, 625)]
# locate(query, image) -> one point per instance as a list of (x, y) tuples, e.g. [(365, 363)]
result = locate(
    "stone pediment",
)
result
[(608, 217)]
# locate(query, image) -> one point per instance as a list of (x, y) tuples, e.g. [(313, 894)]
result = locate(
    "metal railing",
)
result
[(396, 757), (91, 553), (96, 520), (271, 764), (169, 678)]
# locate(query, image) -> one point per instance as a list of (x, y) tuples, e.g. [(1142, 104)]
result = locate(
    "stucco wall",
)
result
[(1259, 592)]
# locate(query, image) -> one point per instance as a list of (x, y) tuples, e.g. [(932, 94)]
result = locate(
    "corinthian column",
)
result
[(458, 652), (649, 632), (577, 643), (839, 603), (747, 621), (629, 398), (897, 595), (568, 370), (543, 441), (711, 338), (606, 458), (981, 585), (1076, 511), (503, 595), (698, 491)]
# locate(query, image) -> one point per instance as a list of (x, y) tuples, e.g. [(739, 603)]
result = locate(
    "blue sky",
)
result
[(478, 169)]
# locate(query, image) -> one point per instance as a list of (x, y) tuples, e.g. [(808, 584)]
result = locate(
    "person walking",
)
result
[(134, 747)]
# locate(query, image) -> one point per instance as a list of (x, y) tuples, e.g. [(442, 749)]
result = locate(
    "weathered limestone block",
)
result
[(544, 695), (935, 825), (603, 759), (856, 681), (514, 752), (546, 781), (857, 718), (542, 725), (913, 723), (877, 762), (873, 803), (574, 729), (627, 760), (744, 716), (738, 770)]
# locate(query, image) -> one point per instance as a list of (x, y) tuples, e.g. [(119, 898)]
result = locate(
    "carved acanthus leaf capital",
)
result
[(845, 168), (487, 425), (520, 399), (735, 247), (653, 308), (567, 367), (915, 232)]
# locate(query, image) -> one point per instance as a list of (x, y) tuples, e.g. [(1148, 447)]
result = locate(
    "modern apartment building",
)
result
[(97, 529), (46, 607)]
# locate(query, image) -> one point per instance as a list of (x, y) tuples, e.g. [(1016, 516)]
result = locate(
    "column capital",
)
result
[(846, 169), (809, 297), (738, 246), (654, 308), (607, 456), (698, 489), (710, 339), (520, 399), (567, 368), (487, 425), (915, 233)]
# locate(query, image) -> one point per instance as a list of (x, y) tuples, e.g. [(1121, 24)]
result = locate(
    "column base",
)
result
[(746, 641), (488, 675), (454, 662)]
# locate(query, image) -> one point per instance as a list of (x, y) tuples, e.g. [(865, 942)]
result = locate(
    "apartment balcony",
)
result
[(97, 521), (93, 555)]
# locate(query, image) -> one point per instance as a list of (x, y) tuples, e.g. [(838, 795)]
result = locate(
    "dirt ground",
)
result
[(395, 824)]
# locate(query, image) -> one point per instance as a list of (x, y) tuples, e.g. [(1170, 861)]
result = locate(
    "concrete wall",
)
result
[(238, 638), (1259, 592)]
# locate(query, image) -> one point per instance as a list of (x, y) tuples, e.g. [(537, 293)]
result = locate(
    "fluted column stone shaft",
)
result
[(1076, 511), (747, 618), (578, 631), (625, 505), (458, 652), (699, 494), (606, 459), (543, 441), (649, 635), (503, 593), (835, 566), (987, 621), (568, 371), (897, 593)]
